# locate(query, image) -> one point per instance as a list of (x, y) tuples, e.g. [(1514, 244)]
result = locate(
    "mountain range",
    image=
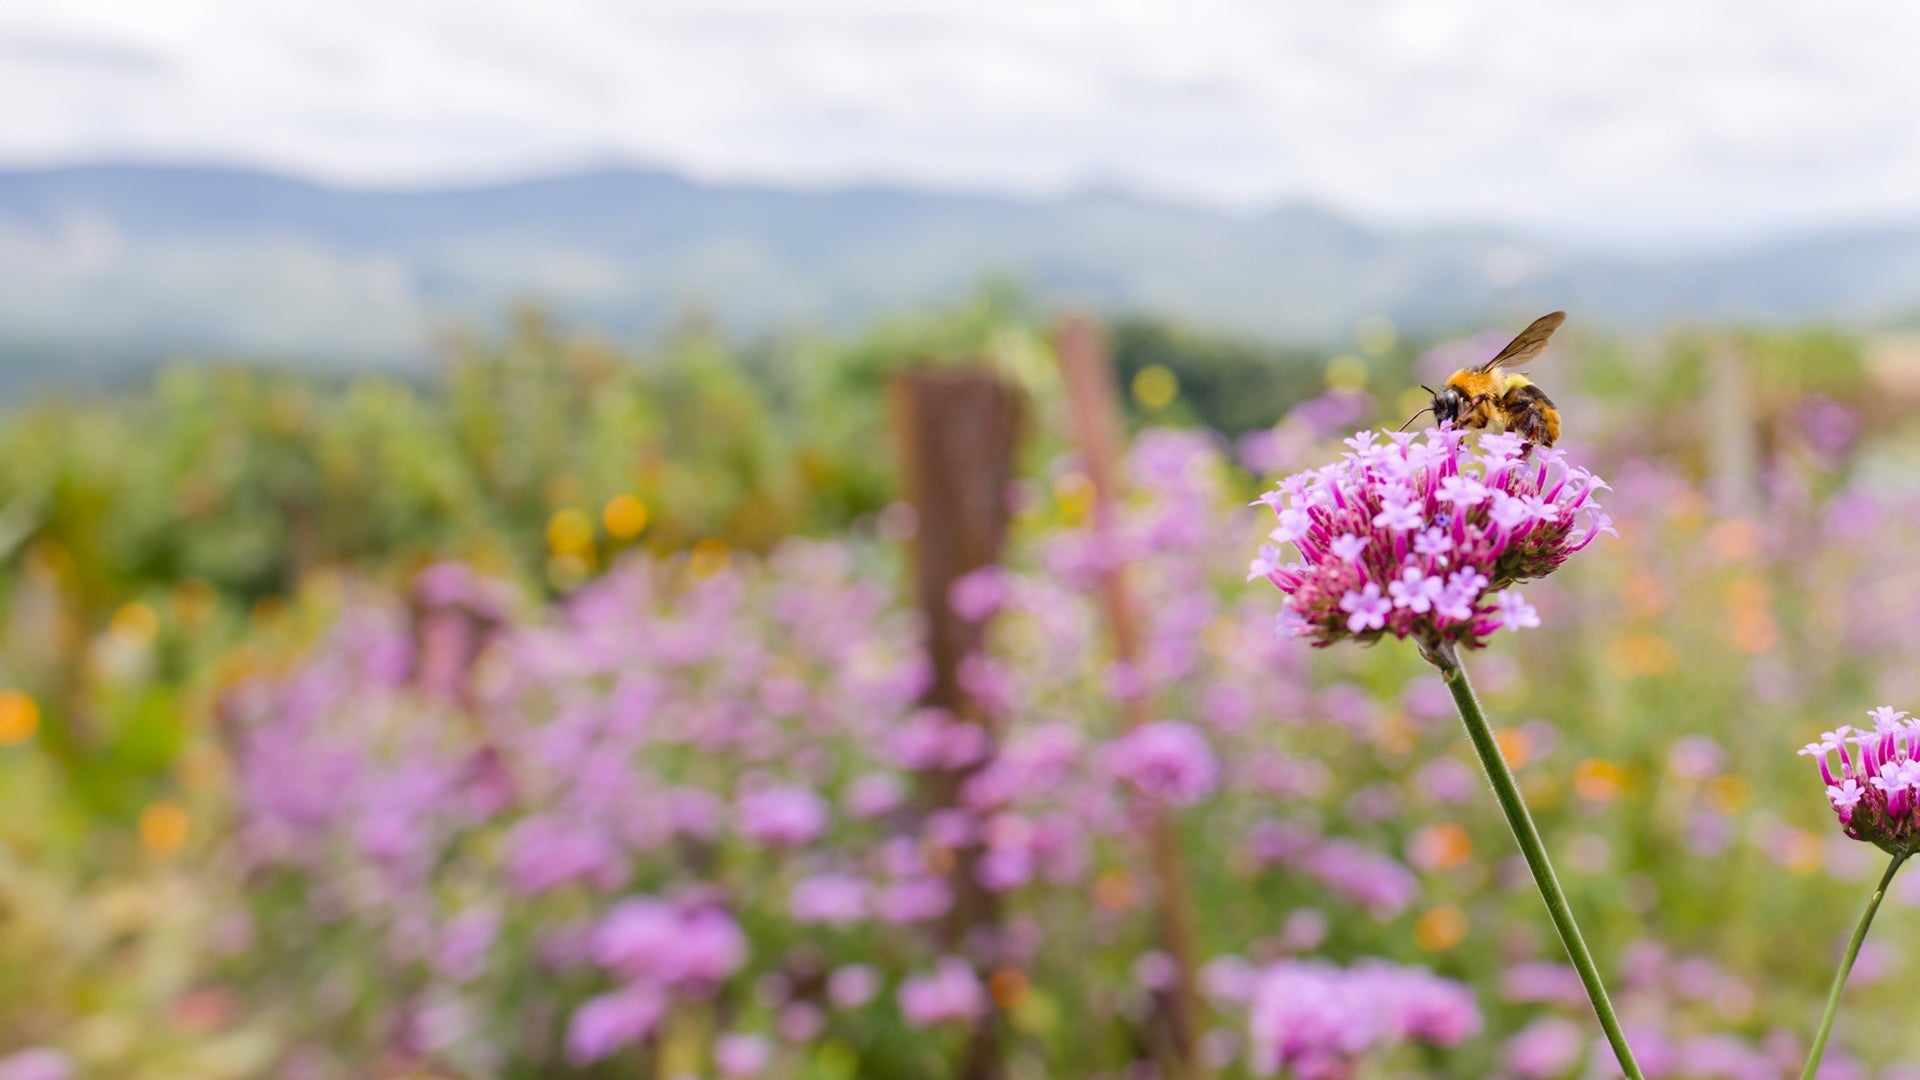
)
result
[(111, 265)]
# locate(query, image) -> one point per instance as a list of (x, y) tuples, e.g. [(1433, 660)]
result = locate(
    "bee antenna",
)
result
[(1430, 392), (1414, 417)]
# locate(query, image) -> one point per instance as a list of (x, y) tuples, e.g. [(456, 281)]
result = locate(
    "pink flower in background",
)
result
[(834, 899), (695, 813), (852, 985), (954, 828), (1317, 1021), (787, 816), (465, 941), (1033, 761), (979, 594), (740, 1055), (914, 899), (1377, 882), (1546, 1049), (611, 1021), (1167, 762), (746, 748), (42, 1064), (1696, 757), (874, 795), (1447, 780), (1419, 1005), (1724, 1055), (545, 853), (951, 993), (801, 1022), (1421, 536), (1228, 980), (1304, 930), (641, 936), (1543, 982), (1155, 970), (1828, 424), (712, 948), (654, 942), (1004, 867), (935, 739)]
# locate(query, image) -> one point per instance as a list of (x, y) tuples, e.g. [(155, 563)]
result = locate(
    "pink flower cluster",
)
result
[(38, 1064), (1421, 536), (1876, 794), (1676, 1009), (679, 797), (951, 992), (1167, 762), (1317, 1021), (657, 949)]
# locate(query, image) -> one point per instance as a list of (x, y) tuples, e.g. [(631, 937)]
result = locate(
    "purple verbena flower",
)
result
[(657, 943), (1366, 608), (951, 992), (611, 1021), (738, 1055), (1546, 1049), (852, 985), (1167, 762), (1379, 883), (1876, 792), (786, 816), (834, 899), (1422, 536), (1317, 1021), (39, 1064)]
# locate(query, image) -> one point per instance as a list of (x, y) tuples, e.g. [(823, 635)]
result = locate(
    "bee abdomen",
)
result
[(1530, 414)]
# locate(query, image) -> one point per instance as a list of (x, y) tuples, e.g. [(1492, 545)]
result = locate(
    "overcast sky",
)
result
[(1650, 119)]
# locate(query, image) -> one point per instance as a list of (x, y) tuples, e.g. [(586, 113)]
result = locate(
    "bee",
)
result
[(1481, 397)]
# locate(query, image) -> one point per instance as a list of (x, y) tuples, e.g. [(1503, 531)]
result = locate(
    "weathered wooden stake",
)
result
[(957, 431), (1095, 411)]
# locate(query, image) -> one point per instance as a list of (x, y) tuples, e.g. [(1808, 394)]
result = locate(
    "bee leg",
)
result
[(1527, 424)]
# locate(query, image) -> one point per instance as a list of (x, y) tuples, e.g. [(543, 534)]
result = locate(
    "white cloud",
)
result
[(1644, 118)]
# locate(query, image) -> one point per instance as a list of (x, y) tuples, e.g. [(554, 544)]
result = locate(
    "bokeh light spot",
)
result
[(570, 532), (164, 827), (1346, 372), (1440, 929), (1598, 780), (19, 717), (1442, 846), (1009, 987), (135, 624), (625, 517), (1155, 387)]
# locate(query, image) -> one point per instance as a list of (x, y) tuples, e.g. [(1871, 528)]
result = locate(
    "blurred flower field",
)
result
[(563, 715)]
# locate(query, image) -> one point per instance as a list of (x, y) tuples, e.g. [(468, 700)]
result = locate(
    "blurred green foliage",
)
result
[(1229, 384)]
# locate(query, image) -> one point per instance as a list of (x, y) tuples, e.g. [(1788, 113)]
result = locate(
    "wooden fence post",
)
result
[(957, 431), (1095, 411)]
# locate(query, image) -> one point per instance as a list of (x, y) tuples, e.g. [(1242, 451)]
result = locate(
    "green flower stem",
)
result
[(1444, 657), (1846, 967)]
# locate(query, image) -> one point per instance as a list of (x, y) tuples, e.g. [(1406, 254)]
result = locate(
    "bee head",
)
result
[(1446, 403)]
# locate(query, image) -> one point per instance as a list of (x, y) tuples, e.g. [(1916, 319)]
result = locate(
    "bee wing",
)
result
[(1528, 344)]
